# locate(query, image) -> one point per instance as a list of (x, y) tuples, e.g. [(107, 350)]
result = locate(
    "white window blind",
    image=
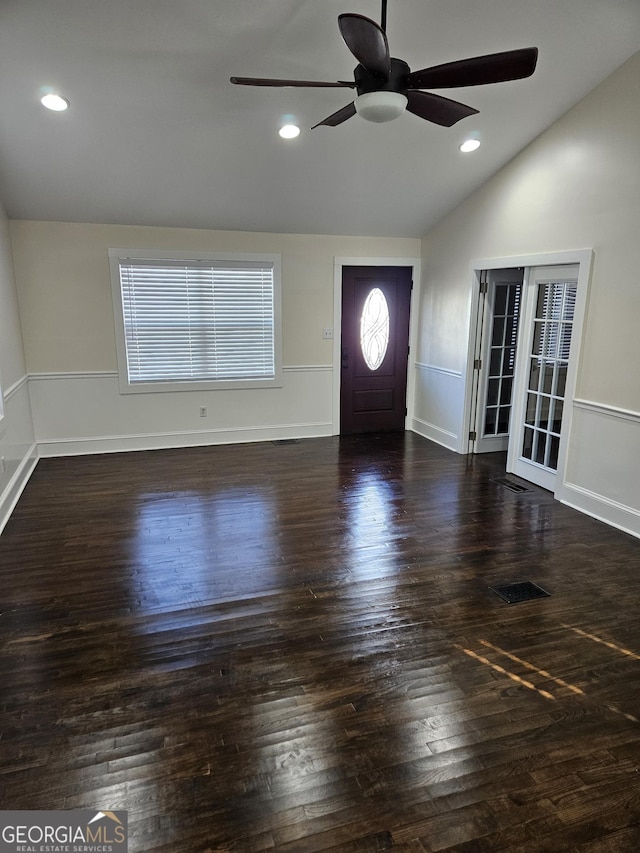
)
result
[(197, 320), (556, 308)]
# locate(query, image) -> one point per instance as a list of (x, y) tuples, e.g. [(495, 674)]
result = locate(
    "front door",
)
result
[(375, 348)]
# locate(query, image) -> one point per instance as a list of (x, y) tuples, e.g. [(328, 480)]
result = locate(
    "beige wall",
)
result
[(12, 366), (17, 448), (64, 288), (576, 187), (65, 292)]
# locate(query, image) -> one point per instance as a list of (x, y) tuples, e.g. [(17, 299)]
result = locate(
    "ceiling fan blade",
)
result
[(437, 109), (367, 41), (492, 68), (266, 81), (337, 118)]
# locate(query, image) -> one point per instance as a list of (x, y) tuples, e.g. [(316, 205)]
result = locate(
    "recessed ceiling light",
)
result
[(470, 145), (54, 102), (289, 131)]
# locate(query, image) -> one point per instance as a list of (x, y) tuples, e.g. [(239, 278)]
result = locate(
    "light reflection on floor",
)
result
[(369, 516), (191, 549)]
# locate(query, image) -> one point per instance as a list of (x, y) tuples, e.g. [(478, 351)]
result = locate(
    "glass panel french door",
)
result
[(497, 359), (551, 301)]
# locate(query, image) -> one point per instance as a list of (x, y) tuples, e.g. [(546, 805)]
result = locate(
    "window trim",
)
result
[(118, 255)]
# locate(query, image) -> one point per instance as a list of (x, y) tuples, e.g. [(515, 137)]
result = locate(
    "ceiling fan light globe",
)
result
[(380, 106)]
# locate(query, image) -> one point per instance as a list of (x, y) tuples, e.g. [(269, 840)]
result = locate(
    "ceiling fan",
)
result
[(386, 86)]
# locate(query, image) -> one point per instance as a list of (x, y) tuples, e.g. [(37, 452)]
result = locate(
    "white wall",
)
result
[(577, 186), (17, 448), (62, 272)]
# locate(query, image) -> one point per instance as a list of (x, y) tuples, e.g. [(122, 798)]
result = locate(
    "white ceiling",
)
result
[(156, 134)]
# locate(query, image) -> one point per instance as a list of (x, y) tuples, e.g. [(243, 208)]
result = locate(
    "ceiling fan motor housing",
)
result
[(397, 82)]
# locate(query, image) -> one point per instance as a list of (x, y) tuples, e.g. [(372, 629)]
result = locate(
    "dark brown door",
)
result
[(375, 348)]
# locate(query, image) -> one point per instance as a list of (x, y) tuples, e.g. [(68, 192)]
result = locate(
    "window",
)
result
[(190, 323), (374, 329)]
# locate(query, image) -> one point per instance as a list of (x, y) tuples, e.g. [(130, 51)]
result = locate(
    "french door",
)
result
[(495, 358), (549, 302)]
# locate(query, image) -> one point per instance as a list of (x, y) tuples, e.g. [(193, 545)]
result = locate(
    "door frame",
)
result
[(584, 259), (338, 264)]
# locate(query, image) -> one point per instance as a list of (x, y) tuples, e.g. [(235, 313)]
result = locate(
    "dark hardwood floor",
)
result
[(293, 647)]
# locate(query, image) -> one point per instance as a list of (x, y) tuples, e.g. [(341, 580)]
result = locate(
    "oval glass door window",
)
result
[(374, 329)]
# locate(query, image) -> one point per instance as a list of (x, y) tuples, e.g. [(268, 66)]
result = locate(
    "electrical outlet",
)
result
[(327, 334), (203, 411)]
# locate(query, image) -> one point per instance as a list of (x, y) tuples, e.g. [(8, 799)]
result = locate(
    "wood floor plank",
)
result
[(295, 648)]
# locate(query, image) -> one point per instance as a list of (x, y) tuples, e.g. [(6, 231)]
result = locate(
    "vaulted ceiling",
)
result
[(157, 135)]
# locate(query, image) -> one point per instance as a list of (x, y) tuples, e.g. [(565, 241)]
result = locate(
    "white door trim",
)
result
[(338, 264)]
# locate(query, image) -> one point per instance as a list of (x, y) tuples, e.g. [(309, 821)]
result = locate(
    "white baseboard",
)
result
[(604, 509), (168, 440), (437, 434), (15, 487)]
